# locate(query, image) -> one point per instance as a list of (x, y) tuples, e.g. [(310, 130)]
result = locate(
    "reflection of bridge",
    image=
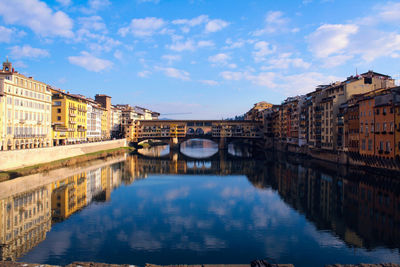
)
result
[(178, 131), (141, 166)]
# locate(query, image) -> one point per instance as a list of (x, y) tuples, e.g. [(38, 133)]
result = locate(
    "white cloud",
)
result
[(215, 25), (233, 45), (232, 75), (37, 16), (171, 58), (175, 73), (95, 23), (274, 22), (331, 39), (182, 46), (285, 61), (98, 4), (209, 82), (90, 62), (144, 74), (303, 83), (205, 43), (262, 49), (191, 22), (290, 84), (335, 44), (149, 1), (6, 34), (143, 27), (220, 58), (265, 79), (118, 55), (28, 51)]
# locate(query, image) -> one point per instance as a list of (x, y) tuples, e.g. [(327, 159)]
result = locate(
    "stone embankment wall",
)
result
[(21, 158), (344, 158)]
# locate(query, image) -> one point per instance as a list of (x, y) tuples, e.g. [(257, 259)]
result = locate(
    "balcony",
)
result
[(383, 132), (380, 151), (22, 121), (72, 108), (71, 114)]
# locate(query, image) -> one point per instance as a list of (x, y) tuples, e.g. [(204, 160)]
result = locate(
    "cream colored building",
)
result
[(25, 218), (116, 120), (25, 114)]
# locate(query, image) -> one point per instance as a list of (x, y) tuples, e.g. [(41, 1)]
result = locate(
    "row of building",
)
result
[(359, 116), (34, 114)]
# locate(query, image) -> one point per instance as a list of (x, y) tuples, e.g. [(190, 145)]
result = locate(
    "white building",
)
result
[(94, 115), (25, 111)]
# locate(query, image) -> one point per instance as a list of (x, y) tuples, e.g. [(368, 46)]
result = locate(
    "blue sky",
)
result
[(213, 59)]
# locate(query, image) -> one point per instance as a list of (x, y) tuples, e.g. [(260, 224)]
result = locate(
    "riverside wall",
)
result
[(14, 159), (339, 157)]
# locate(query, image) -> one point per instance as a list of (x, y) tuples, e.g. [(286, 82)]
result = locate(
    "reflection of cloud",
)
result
[(177, 193), (218, 210), (142, 240), (323, 239), (212, 242), (122, 236)]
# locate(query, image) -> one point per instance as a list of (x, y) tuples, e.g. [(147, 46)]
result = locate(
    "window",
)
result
[(369, 144), (377, 127), (391, 127), (377, 111), (388, 146), (57, 103), (59, 118), (384, 127), (363, 144), (59, 110), (381, 145)]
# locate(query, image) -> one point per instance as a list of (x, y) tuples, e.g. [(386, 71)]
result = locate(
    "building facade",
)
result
[(69, 118), (25, 111)]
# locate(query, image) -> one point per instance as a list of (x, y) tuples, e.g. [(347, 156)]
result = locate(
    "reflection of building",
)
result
[(362, 211), (25, 218), (69, 196)]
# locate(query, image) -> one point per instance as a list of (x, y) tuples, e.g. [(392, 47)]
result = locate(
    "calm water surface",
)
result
[(164, 208)]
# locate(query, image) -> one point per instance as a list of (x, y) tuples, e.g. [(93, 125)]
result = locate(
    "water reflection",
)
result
[(155, 151), (199, 148), (221, 210)]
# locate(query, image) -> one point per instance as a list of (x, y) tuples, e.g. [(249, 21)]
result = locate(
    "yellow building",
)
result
[(25, 110), (68, 196), (105, 132), (69, 118)]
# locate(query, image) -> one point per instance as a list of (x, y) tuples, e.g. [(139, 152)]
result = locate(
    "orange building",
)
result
[(384, 126), (366, 126), (352, 127)]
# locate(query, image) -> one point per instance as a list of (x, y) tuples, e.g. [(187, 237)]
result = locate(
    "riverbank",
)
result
[(342, 158), (94, 264), (14, 159), (65, 162)]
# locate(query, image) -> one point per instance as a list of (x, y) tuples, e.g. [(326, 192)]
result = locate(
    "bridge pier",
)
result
[(174, 144), (222, 144)]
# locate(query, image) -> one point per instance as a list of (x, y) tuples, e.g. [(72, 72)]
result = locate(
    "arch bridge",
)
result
[(176, 132)]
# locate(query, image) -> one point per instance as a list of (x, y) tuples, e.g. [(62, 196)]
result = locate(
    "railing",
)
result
[(29, 135)]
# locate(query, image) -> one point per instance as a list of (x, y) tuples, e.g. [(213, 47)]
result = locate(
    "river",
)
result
[(201, 206)]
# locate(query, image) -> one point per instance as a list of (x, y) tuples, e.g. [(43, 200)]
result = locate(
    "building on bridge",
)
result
[(177, 131)]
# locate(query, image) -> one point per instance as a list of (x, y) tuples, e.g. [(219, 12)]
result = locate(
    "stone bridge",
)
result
[(175, 132)]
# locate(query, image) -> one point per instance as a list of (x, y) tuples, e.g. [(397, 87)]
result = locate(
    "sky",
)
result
[(198, 59)]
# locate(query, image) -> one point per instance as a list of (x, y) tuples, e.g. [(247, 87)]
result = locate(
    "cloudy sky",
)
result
[(212, 59)]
